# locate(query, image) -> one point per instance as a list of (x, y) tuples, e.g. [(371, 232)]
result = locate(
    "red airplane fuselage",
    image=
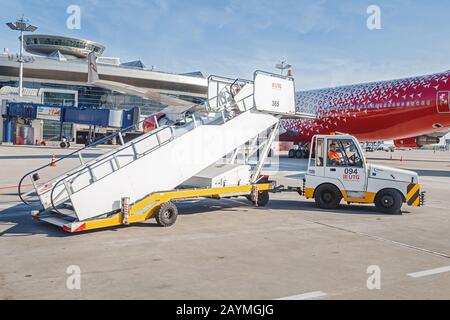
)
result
[(389, 110)]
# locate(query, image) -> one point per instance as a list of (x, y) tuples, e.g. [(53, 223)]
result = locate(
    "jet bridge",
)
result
[(162, 162)]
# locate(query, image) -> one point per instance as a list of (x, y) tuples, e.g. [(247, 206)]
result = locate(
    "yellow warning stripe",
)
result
[(413, 195)]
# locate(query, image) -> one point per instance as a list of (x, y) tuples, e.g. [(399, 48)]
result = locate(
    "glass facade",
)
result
[(88, 97), (55, 130), (62, 42)]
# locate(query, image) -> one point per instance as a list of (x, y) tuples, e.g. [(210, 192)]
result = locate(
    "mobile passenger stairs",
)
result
[(195, 157)]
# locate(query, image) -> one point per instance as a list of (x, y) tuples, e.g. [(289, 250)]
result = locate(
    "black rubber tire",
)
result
[(389, 201), (263, 199), (62, 145), (166, 215), (328, 196), (291, 154), (299, 154)]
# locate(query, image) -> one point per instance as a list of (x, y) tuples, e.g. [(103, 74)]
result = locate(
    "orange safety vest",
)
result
[(334, 155)]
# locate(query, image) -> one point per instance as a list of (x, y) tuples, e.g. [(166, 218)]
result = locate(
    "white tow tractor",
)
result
[(338, 170)]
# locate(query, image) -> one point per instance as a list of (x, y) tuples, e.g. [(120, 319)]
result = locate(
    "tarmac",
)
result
[(228, 249)]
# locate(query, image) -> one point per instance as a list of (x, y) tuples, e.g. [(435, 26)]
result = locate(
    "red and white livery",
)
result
[(413, 110)]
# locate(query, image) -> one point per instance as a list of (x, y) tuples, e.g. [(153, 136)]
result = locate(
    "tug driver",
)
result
[(334, 159)]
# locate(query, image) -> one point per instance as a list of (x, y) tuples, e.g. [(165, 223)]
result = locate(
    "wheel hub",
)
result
[(167, 214), (327, 197), (387, 201)]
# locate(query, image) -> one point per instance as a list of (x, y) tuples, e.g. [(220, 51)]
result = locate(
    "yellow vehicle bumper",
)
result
[(414, 197)]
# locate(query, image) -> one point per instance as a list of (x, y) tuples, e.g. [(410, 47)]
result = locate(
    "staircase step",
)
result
[(68, 205), (65, 212)]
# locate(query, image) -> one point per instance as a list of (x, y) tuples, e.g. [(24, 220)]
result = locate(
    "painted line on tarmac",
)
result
[(18, 207), (429, 272), (402, 244), (15, 187), (306, 296), (435, 253), (235, 201), (8, 204), (15, 215)]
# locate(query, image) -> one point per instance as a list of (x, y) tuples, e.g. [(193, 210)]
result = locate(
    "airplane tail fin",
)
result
[(92, 68)]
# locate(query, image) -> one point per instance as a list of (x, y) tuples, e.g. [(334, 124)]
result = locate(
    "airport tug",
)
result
[(338, 170)]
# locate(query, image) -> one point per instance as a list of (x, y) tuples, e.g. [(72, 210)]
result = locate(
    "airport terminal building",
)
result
[(56, 74)]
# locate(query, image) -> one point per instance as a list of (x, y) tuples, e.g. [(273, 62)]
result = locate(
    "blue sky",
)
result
[(326, 41)]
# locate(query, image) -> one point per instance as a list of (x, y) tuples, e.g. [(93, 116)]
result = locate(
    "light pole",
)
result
[(21, 25), (283, 66)]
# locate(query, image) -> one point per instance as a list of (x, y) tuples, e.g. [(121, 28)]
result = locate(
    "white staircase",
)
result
[(165, 158)]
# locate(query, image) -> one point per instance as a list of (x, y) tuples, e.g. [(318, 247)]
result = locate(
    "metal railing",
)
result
[(67, 185), (119, 134)]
